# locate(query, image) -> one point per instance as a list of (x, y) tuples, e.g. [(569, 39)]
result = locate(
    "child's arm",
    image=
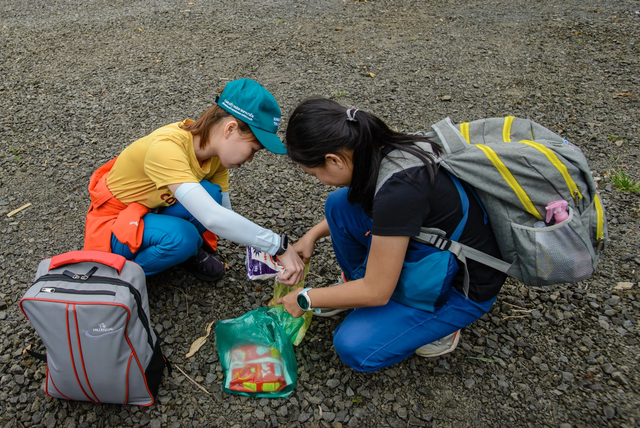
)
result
[(232, 226)]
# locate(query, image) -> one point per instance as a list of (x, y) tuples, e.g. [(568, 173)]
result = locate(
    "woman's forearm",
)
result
[(375, 289), (319, 231), (353, 294)]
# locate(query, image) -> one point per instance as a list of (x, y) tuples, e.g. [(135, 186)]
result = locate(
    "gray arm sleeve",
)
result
[(224, 222)]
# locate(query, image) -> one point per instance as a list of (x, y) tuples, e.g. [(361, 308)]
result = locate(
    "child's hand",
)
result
[(293, 265)]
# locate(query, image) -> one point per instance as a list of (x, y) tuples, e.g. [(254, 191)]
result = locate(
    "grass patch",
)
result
[(624, 183)]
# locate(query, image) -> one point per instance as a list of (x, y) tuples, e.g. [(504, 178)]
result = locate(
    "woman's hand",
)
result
[(293, 265), (290, 302), (304, 247)]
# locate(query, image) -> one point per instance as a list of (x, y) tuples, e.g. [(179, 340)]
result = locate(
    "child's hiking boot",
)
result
[(439, 347), (205, 266)]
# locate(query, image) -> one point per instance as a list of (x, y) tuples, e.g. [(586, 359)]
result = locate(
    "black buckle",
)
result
[(442, 243)]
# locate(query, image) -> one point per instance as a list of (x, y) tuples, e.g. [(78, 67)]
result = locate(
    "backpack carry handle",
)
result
[(116, 261)]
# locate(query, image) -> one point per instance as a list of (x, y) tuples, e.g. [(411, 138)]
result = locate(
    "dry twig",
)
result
[(193, 381), (514, 316), (17, 210)]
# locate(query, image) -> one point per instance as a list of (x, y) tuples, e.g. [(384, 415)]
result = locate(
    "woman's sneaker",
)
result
[(326, 313), (204, 266), (439, 347)]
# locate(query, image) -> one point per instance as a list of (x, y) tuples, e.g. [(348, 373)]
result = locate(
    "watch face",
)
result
[(302, 302)]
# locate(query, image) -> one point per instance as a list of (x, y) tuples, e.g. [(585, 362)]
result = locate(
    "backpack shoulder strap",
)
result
[(449, 137), (462, 253)]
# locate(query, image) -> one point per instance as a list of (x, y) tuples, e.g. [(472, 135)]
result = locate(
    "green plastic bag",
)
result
[(256, 353), (281, 290)]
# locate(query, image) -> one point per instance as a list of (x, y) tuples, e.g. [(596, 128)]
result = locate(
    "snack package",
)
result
[(256, 353), (261, 265), (257, 368)]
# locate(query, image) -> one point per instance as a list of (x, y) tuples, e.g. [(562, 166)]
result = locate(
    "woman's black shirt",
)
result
[(407, 201)]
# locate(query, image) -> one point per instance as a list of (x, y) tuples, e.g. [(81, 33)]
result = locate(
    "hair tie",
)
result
[(351, 117)]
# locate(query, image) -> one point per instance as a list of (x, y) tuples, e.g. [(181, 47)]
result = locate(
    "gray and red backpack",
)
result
[(91, 311)]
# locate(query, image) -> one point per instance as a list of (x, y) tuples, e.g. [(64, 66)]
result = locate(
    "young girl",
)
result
[(155, 202), (371, 221)]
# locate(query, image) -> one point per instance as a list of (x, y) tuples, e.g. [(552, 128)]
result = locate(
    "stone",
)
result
[(609, 412)]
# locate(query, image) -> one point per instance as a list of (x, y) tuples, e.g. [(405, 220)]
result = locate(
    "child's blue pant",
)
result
[(169, 238), (373, 338)]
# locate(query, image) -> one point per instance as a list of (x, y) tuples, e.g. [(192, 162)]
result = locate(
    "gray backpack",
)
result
[(517, 169), (90, 309)]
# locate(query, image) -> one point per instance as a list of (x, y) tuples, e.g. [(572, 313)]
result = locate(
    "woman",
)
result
[(371, 220), (155, 202)]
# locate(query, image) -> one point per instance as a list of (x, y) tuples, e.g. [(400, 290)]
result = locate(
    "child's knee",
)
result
[(213, 189), (183, 238)]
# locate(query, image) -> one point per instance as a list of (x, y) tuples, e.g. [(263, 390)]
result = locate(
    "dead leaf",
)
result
[(25, 354), (338, 28), (158, 60), (372, 75), (197, 344), (624, 94), (191, 3)]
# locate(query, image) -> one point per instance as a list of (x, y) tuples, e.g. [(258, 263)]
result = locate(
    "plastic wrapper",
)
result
[(261, 265), (281, 290), (256, 353)]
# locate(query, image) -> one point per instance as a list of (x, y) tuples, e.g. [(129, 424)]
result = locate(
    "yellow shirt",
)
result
[(166, 156)]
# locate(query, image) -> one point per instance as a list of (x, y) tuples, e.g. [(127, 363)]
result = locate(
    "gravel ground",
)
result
[(79, 80)]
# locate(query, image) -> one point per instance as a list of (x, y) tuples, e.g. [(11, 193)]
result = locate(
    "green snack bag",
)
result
[(281, 290), (256, 353)]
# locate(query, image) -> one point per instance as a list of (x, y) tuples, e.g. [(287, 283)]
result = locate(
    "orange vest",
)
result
[(108, 215)]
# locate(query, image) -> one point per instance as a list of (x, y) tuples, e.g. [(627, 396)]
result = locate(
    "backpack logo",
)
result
[(101, 330)]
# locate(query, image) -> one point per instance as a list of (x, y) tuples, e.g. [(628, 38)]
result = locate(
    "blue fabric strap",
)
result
[(464, 199)]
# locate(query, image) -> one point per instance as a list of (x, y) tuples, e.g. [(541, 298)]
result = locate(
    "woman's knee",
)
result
[(336, 202), (354, 353)]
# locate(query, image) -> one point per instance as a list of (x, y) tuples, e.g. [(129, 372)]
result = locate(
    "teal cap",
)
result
[(250, 102)]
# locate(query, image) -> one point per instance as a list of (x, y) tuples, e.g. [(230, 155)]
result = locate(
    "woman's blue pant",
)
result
[(170, 237), (373, 338)]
